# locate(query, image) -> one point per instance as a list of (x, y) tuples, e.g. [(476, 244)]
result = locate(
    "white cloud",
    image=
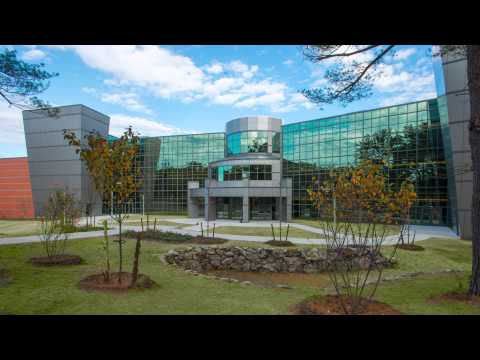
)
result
[(288, 62), (127, 100), (390, 80), (89, 90), (11, 131), (158, 69), (267, 99), (242, 69), (362, 57), (168, 75), (33, 55), (319, 82), (146, 127), (404, 54), (407, 97), (215, 68), (300, 99), (403, 85)]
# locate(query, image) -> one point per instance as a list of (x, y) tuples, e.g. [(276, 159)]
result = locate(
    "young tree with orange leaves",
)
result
[(362, 194), (360, 201), (111, 166)]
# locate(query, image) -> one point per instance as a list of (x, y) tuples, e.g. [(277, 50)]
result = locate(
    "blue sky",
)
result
[(166, 90)]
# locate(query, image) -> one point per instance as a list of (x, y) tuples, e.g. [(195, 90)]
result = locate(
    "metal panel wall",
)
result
[(53, 164)]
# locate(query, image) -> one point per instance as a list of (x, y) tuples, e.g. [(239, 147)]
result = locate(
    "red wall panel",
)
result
[(15, 189)]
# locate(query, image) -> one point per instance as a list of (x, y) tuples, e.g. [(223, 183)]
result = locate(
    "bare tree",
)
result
[(356, 262), (53, 237)]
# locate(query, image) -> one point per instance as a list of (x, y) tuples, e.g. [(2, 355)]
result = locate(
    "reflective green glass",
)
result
[(416, 152)]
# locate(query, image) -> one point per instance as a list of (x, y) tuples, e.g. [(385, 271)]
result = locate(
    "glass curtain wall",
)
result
[(242, 172), (252, 142), (408, 136), (170, 162)]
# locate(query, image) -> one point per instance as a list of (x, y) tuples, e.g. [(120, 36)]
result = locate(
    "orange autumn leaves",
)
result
[(362, 193), (111, 165)]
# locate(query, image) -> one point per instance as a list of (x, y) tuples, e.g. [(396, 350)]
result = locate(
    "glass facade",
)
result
[(241, 172), (408, 136), (170, 162), (252, 142)]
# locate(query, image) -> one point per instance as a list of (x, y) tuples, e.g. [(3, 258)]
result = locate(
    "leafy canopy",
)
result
[(111, 164), (362, 193), (21, 81)]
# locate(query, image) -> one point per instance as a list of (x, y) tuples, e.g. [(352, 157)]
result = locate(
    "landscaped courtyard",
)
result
[(443, 266)]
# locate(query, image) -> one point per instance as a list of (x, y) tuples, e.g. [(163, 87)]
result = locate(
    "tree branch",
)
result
[(344, 54), (6, 98), (349, 87)]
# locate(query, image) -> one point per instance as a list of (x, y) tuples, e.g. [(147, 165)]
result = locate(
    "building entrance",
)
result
[(264, 208), (229, 208)]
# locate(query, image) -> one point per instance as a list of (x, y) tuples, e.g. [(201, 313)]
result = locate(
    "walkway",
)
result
[(422, 232)]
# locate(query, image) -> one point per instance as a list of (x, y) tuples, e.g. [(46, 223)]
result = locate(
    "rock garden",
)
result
[(292, 260)]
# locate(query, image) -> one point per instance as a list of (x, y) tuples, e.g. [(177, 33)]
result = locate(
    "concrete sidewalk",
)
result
[(422, 232)]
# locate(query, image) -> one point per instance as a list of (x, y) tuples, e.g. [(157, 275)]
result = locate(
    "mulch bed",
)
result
[(331, 305), (208, 240), (174, 238), (411, 247), (280, 243), (65, 259), (97, 282), (455, 296)]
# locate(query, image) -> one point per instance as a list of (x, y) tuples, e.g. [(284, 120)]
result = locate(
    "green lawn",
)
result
[(10, 228), (159, 222), (390, 229), (37, 290), (266, 231)]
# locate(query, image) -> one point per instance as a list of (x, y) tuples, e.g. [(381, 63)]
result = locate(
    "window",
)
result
[(239, 172), (252, 141)]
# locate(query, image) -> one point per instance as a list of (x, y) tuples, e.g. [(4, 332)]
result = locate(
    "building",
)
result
[(240, 173), (15, 189), (53, 164), (246, 184)]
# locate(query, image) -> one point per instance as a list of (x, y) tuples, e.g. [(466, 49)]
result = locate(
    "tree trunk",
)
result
[(120, 253), (473, 64), (136, 258)]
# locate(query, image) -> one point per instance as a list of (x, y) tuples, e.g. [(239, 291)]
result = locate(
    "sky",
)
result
[(168, 90)]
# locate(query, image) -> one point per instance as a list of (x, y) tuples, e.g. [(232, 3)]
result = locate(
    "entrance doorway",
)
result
[(229, 208), (263, 208)]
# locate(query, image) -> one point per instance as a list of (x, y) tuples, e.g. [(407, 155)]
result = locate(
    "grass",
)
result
[(266, 231), (390, 229), (53, 290), (151, 217), (35, 290), (14, 228), (159, 222), (10, 228)]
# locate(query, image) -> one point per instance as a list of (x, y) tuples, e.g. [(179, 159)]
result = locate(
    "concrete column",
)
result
[(246, 209), (287, 198), (277, 208), (210, 208), (193, 208)]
